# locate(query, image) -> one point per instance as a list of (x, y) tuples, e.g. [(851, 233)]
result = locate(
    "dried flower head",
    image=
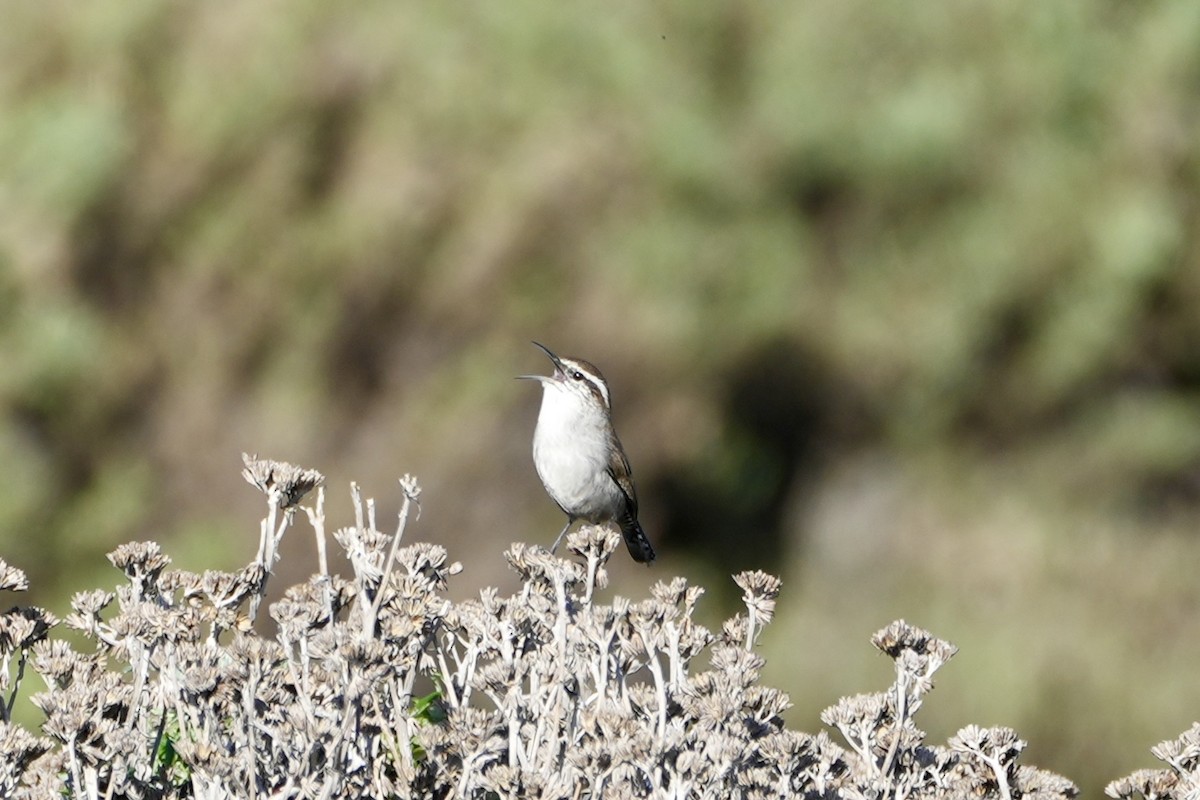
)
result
[(12, 579), (19, 749), (999, 744), (90, 604), (1182, 753), (900, 636), (1152, 784), (285, 482), (55, 661), (1039, 784), (23, 627), (759, 592), (141, 561), (593, 541)]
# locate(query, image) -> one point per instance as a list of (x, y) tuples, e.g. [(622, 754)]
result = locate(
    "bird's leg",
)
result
[(561, 534)]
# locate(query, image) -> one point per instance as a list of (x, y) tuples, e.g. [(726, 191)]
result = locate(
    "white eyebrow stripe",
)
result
[(599, 384), (593, 379)]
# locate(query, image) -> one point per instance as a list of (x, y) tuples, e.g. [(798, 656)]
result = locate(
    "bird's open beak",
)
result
[(551, 356), (558, 367)]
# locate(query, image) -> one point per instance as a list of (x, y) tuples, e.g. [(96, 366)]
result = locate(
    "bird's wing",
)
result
[(619, 471)]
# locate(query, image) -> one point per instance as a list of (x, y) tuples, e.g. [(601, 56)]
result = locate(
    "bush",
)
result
[(544, 693)]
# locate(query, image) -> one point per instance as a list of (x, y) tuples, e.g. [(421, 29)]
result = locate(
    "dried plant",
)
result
[(1181, 781), (376, 685)]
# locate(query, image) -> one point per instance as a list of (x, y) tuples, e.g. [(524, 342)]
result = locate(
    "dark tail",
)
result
[(635, 539)]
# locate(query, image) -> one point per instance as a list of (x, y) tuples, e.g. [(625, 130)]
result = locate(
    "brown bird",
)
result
[(578, 455)]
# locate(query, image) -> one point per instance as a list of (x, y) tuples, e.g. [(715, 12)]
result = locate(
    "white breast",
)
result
[(570, 451)]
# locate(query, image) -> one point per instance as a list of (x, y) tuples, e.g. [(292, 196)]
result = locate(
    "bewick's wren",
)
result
[(578, 455)]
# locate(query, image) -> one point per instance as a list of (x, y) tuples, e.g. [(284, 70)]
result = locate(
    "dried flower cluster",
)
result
[(1181, 781), (378, 686), (887, 756)]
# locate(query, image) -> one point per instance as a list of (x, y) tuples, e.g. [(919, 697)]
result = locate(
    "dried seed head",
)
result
[(296, 619), (594, 541), (871, 710), (201, 680), (85, 616), (278, 480), (12, 579), (366, 549), (998, 744), (23, 627), (541, 570), (20, 747), (1148, 783), (55, 661), (1182, 753), (1040, 784), (733, 630), (91, 603), (900, 636), (759, 592), (178, 580), (140, 560), (671, 594)]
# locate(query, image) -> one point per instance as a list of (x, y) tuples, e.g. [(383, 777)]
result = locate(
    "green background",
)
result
[(898, 301)]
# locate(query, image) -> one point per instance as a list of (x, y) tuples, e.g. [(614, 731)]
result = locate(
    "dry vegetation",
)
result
[(548, 693)]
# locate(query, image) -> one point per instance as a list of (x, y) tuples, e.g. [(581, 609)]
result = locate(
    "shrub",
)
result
[(548, 692)]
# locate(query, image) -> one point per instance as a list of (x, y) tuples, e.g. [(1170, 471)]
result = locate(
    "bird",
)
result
[(578, 456)]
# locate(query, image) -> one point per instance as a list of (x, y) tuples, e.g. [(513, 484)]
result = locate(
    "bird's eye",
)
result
[(577, 375)]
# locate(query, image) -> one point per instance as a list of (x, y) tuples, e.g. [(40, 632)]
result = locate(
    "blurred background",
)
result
[(898, 303)]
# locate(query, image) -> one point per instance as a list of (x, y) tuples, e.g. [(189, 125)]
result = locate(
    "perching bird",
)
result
[(578, 455)]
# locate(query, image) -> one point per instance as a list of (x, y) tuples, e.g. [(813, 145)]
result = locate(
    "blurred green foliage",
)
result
[(803, 240)]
